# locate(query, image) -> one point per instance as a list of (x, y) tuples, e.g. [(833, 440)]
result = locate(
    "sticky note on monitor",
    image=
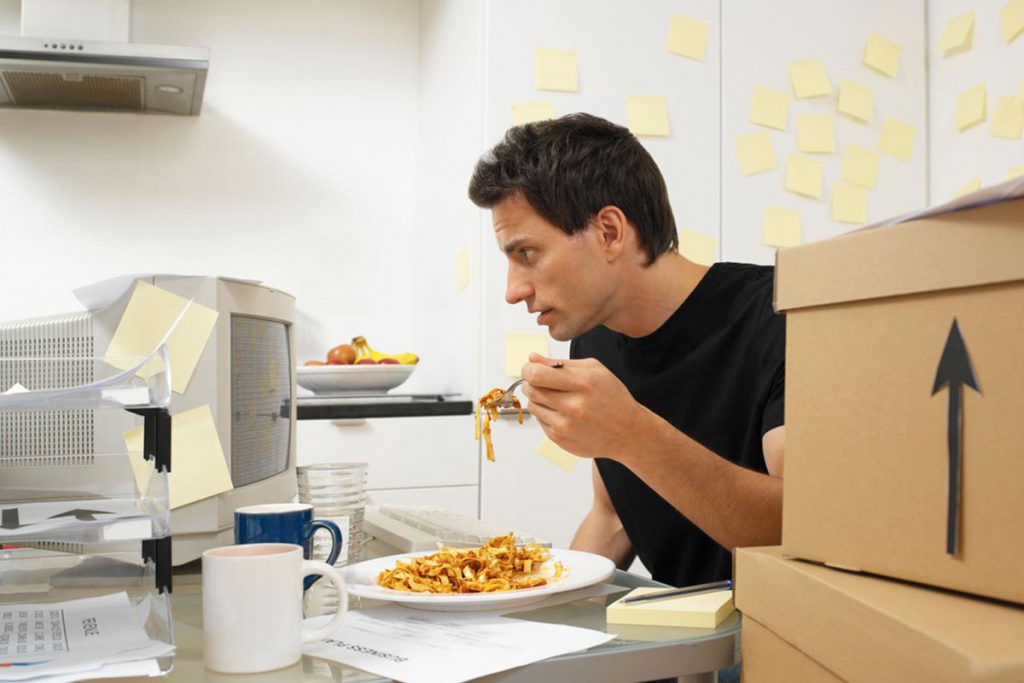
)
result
[(971, 107), (897, 139), (756, 153), (882, 55), (970, 187), (462, 269), (528, 112), (815, 133), (519, 346), (957, 34), (687, 37), (781, 227), (1011, 20), (697, 247), (198, 468), (849, 204), (1008, 118), (860, 166), (555, 70), (647, 115), (856, 101), (704, 610), (557, 456), (809, 79), (149, 316), (804, 176), (770, 108)]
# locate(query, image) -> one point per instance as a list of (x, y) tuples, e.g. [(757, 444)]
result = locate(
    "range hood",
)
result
[(58, 72)]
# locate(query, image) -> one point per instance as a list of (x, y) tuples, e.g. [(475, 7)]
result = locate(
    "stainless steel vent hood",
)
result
[(59, 72)]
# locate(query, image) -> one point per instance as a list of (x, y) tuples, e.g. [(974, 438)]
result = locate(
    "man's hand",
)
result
[(581, 406)]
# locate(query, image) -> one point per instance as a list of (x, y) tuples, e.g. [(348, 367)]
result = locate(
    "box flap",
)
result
[(865, 628), (974, 246)]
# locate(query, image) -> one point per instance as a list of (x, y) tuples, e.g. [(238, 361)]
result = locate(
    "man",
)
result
[(675, 383)]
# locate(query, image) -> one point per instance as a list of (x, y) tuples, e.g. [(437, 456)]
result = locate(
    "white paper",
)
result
[(1005, 191), (118, 518), (444, 647)]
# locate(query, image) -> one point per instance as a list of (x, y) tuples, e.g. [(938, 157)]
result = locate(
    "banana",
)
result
[(364, 350)]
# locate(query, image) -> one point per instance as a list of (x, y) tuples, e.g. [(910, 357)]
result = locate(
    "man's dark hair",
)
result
[(567, 169)]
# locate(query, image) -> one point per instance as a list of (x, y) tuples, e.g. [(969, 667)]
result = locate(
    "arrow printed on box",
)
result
[(954, 370), (82, 515)]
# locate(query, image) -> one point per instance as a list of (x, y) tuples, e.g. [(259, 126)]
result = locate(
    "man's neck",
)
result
[(654, 293)]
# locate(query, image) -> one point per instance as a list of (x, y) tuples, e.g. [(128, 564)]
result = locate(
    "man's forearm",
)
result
[(604, 535)]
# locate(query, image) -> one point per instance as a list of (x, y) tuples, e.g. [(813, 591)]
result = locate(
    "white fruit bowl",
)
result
[(352, 379)]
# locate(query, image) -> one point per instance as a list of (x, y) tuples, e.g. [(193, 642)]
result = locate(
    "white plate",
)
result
[(341, 379), (582, 569)]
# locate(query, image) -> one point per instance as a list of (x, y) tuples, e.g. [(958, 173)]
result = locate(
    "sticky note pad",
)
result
[(804, 176), (815, 133), (555, 70), (882, 55), (781, 227), (809, 79), (149, 316), (704, 610), (897, 139), (198, 470), (1015, 172), (462, 269), (687, 37), (849, 204), (756, 153), (856, 101), (697, 247), (770, 108), (1011, 20), (519, 346), (557, 456), (970, 187), (957, 34), (1008, 118), (647, 115), (528, 112), (860, 166), (970, 107)]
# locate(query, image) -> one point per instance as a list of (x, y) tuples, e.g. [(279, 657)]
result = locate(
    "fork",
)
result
[(506, 399)]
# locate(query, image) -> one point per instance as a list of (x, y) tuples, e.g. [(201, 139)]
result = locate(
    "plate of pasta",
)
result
[(495, 575)]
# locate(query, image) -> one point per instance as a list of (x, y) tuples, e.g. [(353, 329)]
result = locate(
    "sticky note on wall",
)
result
[(809, 79), (556, 70), (1011, 20), (687, 37), (149, 316), (781, 227), (856, 101), (957, 34), (971, 107), (882, 55), (528, 112), (756, 153), (462, 269), (697, 247), (804, 176), (897, 139), (647, 115), (770, 108), (970, 187), (1008, 118), (860, 166), (849, 204), (519, 346), (557, 456)]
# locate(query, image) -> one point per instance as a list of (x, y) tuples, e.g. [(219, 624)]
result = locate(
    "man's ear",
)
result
[(612, 229)]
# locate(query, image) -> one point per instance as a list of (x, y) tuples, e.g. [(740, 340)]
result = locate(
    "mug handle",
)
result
[(336, 538), (324, 569)]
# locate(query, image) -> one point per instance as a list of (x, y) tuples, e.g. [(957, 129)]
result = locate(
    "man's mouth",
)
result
[(544, 316)]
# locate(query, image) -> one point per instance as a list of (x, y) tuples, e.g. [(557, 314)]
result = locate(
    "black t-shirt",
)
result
[(714, 370)]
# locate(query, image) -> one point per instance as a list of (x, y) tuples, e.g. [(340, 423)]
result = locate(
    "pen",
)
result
[(688, 590)]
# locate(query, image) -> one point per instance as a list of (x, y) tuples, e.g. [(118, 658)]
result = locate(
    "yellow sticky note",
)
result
[(528, 112), (462, 269), (809, 79), (519, 346), (770, 108), (897, 139), (882, 55), (781, 227), (647, 115), (970, 107), (957, 34), (860, 166), (562, 459), (149, 316), (1011, 20), (756, 153), (687, 37), (804, 176), (555, 70), (970, 187), (702, 610), (849, 204), (1020, 90), (815, 133), (697, 247), (1009, 118), (198, 467), (856, 100), (1015, 172)]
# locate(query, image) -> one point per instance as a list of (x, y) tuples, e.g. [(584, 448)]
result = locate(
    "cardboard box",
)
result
[(880, 398), (767, 658), (864, 629)]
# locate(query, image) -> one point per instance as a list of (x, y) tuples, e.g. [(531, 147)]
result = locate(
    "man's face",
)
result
[(563, 278)]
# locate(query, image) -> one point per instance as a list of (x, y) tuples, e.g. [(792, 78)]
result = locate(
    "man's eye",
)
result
[(526, 254)]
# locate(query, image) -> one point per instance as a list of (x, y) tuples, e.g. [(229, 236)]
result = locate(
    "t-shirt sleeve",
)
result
[(773, 367)]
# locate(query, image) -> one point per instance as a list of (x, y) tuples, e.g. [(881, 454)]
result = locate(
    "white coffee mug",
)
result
[(252, 606)]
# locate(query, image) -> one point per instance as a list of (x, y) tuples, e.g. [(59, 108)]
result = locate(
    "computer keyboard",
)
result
[(411, 529)]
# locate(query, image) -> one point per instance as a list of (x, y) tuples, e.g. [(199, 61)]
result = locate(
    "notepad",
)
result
[(704, 610)]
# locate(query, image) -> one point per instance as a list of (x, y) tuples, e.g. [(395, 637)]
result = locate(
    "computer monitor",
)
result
[(245, 374)]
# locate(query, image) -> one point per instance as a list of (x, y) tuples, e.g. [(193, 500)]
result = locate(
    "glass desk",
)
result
[(638, 653)]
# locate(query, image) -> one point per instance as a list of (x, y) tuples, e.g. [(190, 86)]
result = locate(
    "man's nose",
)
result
[(516, 289)]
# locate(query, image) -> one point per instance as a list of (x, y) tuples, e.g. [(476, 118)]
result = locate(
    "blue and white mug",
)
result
[(286, 523)]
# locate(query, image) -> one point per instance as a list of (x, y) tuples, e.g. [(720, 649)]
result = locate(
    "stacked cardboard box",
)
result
[(904, 452)]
